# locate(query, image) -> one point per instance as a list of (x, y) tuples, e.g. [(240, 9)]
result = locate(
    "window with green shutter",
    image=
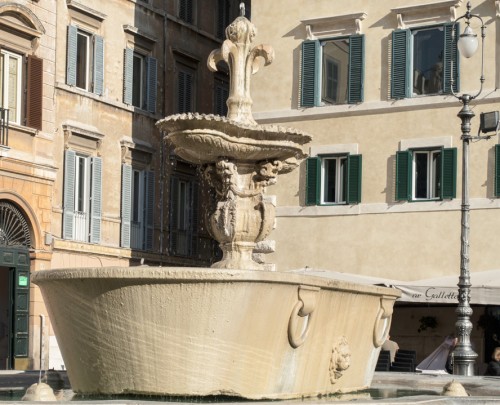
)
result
[(426, 174), (332, 71), (424, 61), (333, 179)]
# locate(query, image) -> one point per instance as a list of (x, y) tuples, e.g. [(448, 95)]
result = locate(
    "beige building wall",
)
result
[(379, 236)]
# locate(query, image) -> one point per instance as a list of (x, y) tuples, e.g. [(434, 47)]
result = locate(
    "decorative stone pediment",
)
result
[(429, 13), (19, 27), (323, 27), (81, 137)]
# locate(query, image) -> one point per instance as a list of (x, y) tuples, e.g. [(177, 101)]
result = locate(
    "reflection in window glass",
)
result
[(428, 50), (335, 71)]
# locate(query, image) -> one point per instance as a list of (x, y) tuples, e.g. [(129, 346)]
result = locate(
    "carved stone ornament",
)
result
[(340, 360), (239, 158)]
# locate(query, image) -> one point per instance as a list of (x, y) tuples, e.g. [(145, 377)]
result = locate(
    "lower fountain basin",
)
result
[(199, 332)]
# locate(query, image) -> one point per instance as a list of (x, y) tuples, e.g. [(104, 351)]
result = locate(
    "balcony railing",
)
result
[(81, 227), (136, 235), (4, 127)]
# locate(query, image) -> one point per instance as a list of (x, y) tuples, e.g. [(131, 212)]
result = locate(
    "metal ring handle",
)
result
[(296, 341)]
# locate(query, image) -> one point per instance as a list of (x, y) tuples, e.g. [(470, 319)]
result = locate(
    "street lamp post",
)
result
[(463, 355)]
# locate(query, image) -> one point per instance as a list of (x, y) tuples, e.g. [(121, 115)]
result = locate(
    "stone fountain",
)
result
[(235, 329)]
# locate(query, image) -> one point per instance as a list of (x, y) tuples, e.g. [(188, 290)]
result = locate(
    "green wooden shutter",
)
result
[(310, 74), (71, 55), (356, 68), (34, 89), (497, 170), (98, 64), (128, 74), (149, 178), (126, 209), (21, 306), (353, 179), (96, 200), (69, 194), (400, 64), (449, 173), (403, 175), (451, 59), (194, 211), (151, 83), (174, 210), (313, 178)]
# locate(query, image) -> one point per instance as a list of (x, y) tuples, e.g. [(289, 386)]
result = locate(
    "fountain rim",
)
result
[(170, 275)]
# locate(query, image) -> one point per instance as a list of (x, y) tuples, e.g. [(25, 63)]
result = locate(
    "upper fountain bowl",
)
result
[(205, 138)]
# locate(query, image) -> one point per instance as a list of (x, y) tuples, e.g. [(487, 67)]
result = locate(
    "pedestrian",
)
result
[(494, 364)]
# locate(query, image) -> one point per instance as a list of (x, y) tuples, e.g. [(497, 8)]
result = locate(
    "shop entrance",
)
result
[(5, 319)]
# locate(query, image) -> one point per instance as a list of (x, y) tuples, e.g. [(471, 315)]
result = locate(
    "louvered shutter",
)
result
[(149, 209), (310, 74), (126, 208), (96, 200), (69, 193), (313, 174), (403, 175), (21, 304), (400, 64), (194, 212), (152, 86), (34, 91), (451, 59), (221, 94), (449, 173), (353, 178), (186, 10), (128, 74), (98, 64), (356, 68), (497, 170), (174, 210), (71, 56)]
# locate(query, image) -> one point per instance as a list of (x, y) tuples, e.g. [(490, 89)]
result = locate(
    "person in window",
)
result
[(494, 364)]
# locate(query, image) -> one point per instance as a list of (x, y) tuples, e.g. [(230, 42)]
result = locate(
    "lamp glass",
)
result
[(467, 43)]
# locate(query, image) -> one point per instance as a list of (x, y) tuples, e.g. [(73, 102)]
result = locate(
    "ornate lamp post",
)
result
[(463, 355)]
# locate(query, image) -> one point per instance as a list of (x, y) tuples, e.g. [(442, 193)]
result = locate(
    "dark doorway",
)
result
[(5, 318)]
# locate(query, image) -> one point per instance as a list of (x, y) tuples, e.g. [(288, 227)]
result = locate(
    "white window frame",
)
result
[(432, 174), (7, 55), (340, 164), (415, 31), (81, 224), (88, 59)]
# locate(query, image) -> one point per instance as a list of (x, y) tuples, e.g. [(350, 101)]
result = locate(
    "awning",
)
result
[(485, 286)]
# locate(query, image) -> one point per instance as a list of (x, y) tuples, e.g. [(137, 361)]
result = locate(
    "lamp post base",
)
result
[(464, 359)]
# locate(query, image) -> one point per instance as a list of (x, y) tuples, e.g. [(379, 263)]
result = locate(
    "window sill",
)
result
[(107, 101), (368, 107)]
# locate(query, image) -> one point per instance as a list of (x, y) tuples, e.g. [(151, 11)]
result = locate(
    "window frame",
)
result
[(433, 174), (148, 84), (5, 84), (405, 174), (311, 86), (402, 59), (350, 178)]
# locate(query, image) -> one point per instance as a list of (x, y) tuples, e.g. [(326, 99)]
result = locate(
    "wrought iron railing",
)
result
[(4, 127)]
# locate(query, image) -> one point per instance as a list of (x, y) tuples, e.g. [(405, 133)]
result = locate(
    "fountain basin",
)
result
[(199, 332)]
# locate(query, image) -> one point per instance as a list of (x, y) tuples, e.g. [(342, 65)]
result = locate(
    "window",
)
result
[(140, 80), (333, 179), (332, 71), (137, 208), (222, 20), (85, 60), (186, 10), (426, 174), (10, 83), (82, 197), (185, 89), (422, 61), (12, 86), (183, 216)]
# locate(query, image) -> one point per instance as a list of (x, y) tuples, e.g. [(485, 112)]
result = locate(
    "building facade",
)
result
[(380, 193), (85, 178)]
